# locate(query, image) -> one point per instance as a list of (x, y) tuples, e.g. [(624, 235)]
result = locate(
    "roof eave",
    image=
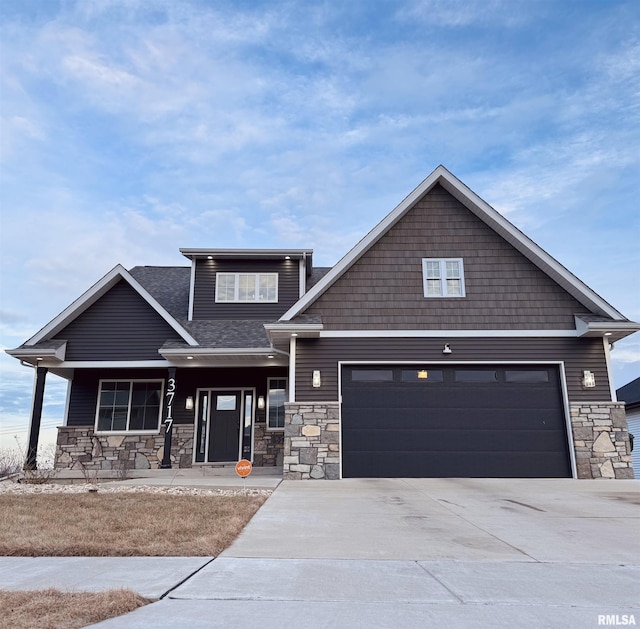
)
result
[(611, 330), (35, 356), (227, 357)]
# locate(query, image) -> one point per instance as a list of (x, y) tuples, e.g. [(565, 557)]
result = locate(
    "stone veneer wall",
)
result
[(121, 452), (311, 441), (268, 446), (601, 440)]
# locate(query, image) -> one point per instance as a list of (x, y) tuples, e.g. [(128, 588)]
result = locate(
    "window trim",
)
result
[(127, 431), (443, 278), (286, 391), (236, 289)]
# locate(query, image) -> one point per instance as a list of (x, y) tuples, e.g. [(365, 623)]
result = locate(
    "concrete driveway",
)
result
[(421, 552)]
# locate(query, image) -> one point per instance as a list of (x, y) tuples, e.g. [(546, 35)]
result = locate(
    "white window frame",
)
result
[(236, 299), (127, 431), (286, 391), (443, 277)]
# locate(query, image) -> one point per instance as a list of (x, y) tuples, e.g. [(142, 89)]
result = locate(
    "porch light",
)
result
[(188, 403), (447, 349), (588, 379), (261, 402), (316, 382)]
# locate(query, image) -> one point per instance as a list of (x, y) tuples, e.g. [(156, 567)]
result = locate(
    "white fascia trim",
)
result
[(446, 333), (450, 362), (483, 211), (112, 364), (101, 287), (607, 358), (293, 327), (192, 288), (203, 351), (292, 369), (302, 267)]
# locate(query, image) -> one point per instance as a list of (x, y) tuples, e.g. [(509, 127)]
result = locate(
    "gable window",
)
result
[(129, 406), (443, 277), (247, 287), (276, 397)]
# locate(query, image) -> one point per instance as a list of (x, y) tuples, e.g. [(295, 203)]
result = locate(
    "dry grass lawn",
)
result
[(121, 524), (52, 609)]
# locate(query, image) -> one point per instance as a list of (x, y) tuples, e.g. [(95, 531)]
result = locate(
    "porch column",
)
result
[(168, 418), (30, 462)]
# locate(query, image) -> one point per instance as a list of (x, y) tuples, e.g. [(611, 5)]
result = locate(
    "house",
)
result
[(444, 344), (630, 395)]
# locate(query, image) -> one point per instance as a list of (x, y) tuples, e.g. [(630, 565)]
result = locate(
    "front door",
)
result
[(219, 428)]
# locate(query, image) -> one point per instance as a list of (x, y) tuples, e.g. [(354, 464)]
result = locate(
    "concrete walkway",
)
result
[(458, 553)]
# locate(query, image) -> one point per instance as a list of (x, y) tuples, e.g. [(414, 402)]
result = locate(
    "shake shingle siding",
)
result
[(324, 354), (121, 325), (205, 306), (504, 290)]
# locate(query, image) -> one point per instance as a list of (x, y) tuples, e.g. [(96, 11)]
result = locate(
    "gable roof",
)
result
[(574, 286), (630, 393), (91, 296)]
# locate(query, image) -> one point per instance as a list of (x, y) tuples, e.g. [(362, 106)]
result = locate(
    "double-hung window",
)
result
[(443, 277), (247, 287), (129, 406), (276, 397)]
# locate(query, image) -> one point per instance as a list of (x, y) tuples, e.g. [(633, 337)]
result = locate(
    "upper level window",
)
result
[(443, 277), (247, 287), (129, 406)]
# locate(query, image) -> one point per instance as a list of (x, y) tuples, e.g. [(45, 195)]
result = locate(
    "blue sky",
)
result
[(132, 128)]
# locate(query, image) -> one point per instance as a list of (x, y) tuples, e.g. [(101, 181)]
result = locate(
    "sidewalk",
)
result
[(195, 477)]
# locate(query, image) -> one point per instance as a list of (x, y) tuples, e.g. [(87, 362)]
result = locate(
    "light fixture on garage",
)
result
[(316, 382), (588, 379), (447, 349), (188, 403), (261, 402)]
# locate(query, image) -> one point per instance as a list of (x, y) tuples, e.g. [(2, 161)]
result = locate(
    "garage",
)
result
[(483, 421)]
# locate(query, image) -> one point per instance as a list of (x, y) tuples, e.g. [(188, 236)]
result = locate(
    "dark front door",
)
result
[(224, 430)]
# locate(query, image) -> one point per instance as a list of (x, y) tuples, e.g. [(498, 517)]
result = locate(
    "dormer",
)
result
[(246, 283)]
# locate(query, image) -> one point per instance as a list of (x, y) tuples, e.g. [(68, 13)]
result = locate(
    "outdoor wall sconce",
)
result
[(588, 379), (447, 349), (188, 403), (316, 382), (261, 402)]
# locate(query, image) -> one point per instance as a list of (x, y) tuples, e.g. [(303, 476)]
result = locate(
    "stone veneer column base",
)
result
[(601, 440), (79, 444), (311, 441)]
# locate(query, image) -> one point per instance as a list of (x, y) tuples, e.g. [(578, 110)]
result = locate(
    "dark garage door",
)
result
[(453, 421)]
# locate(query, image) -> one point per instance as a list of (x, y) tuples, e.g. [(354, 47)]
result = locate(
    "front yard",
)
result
[(37, 521)]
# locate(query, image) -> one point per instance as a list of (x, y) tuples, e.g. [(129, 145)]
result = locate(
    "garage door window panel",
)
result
[(476, 376), (422, 376)]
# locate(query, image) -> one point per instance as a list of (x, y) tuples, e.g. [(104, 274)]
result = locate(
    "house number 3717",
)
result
[(171, 392)]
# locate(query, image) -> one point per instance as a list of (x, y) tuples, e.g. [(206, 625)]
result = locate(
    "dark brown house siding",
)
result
[(504, 290), (121, 325), (324, 354), (204, 298)]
